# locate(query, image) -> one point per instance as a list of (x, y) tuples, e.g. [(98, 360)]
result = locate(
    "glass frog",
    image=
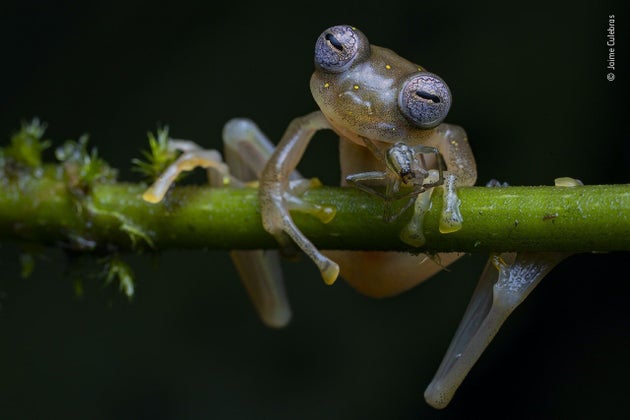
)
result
[(388, 113), (372, 98)]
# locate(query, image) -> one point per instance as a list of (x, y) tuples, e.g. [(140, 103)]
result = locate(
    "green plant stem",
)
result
[(43, 210)]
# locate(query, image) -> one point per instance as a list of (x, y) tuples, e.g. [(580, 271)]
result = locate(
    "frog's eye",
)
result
[(424, 99), (338, 47)]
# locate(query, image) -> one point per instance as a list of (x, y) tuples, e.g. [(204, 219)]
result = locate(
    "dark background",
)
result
[(529, 87)]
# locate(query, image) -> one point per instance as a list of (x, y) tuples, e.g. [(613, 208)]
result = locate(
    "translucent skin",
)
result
[(360, 98), (362, 101)]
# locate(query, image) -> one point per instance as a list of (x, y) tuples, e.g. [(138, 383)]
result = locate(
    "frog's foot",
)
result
[(413, 232), (192, 157), (275, 206), (294, 200), (505, 282), (451, 219)]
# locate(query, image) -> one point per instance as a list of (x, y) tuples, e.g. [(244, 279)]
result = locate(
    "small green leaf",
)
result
[(83, 168), (28, 264), (27, 145), (158, 157), (78, 287), (120, 271)]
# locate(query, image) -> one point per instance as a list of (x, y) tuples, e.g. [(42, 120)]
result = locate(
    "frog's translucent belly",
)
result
[(382, 274)]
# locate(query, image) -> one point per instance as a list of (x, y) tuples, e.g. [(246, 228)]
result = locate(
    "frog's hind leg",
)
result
[(505, 282), (261, 274), (247, 150), (193, 156)]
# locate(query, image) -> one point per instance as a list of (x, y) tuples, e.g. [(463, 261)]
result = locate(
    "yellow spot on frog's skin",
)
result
[(326, 85), (388, 67), (356, 87)]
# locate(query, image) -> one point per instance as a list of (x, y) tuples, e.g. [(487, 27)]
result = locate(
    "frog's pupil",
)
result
[(428, 96), (334, 42)]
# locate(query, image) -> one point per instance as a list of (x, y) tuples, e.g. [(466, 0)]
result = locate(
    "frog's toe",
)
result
[(189, 160), (156, 192), (295, 202), (278, 222), (451, 219), (493, 183)]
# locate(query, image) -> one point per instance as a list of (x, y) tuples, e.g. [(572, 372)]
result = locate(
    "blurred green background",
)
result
[(529, 87)]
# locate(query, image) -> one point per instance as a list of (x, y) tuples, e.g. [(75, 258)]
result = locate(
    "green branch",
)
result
[(77, 204), (45, 209)]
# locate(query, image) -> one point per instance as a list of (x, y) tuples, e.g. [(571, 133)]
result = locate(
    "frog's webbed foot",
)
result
[(278, 222), (294, 200), (278, 196), (506, 281), (450, 219)]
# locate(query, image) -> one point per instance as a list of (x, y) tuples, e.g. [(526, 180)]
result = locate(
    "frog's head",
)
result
[(369, 91)]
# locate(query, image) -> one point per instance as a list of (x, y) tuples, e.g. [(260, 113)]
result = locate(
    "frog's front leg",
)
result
[(453, 144), (276, 198), (382, 274)]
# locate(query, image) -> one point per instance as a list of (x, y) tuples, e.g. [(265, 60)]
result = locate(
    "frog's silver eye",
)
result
[(338, 47), (424, 99)]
